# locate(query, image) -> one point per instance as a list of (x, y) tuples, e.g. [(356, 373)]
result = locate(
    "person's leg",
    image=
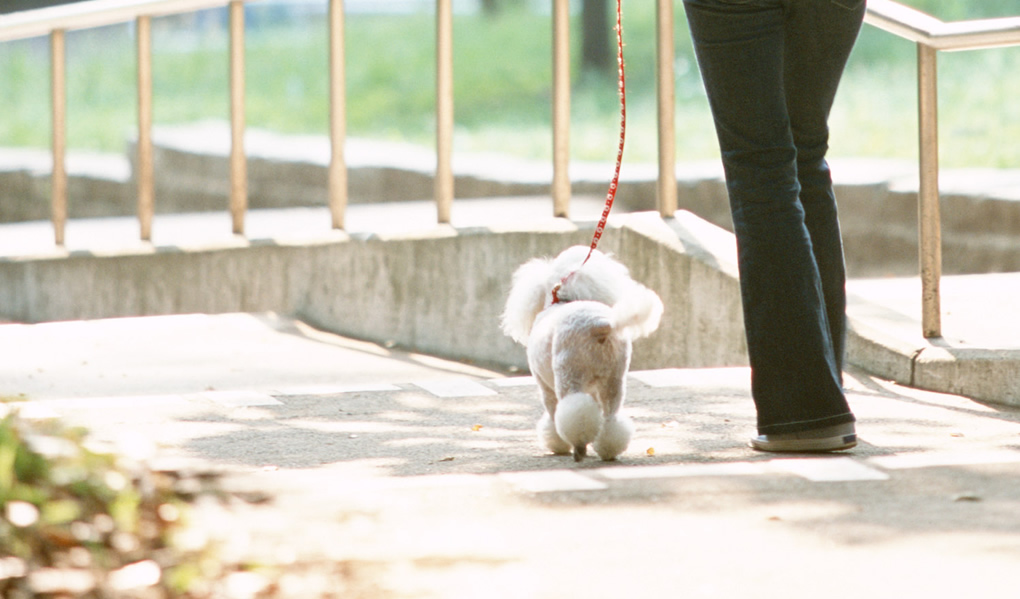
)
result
[(795, 380), (820, 35)]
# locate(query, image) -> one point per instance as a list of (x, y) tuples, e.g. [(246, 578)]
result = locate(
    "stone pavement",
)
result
[(422, 478)]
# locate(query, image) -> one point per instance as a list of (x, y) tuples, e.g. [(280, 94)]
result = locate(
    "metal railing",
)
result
[(55, 22), (930, 35)]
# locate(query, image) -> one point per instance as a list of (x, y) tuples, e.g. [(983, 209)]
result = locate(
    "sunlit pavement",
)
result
[(425, 478)]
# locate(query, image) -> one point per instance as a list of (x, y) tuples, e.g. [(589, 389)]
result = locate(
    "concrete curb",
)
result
[(991, 375)]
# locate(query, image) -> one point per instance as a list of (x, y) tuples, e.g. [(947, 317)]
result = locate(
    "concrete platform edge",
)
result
[(442, 294)]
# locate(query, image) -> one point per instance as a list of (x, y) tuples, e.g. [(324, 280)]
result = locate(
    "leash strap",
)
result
[(611, 194), (614, 184)]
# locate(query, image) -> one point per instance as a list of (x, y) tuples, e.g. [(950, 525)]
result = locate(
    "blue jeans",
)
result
[(771, 69)]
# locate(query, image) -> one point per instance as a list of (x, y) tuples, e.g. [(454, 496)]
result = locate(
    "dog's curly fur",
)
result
[(579, 349)]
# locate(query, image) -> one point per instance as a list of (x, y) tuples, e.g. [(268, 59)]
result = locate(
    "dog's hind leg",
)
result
[(578, 420), (547, 435), (617, 429)]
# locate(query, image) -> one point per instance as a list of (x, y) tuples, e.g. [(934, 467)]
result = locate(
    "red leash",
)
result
[(614, 184)]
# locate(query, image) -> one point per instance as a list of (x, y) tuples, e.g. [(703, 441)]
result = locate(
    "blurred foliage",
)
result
[(76, 520)]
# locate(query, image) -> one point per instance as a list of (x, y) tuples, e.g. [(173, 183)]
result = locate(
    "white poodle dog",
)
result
[(577, 323)]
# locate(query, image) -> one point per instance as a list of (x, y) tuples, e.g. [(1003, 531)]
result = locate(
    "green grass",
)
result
[(502, 70)]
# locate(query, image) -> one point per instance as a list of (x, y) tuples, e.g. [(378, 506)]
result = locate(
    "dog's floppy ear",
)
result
[(528, 295)]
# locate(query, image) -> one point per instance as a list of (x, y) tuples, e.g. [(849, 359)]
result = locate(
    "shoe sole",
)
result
[(839, 443)]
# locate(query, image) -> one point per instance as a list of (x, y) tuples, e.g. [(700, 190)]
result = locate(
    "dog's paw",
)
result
[(550, 439), (578, 419), (614, 437)]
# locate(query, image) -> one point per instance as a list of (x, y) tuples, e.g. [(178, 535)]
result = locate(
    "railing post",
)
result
[(238, 163), (146, 182), (58, 93), (666, 94), (929, 219), (561, 108), (444, 110), (337, 115)]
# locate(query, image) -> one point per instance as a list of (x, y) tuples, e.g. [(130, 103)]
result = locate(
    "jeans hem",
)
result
[(805, 425)]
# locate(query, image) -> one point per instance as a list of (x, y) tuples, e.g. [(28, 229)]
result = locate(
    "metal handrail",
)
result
[(93, 13), (932, 35), (916, 26)]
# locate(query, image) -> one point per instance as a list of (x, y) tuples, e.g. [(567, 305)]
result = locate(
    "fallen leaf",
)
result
[(650, 451), (476, 427)]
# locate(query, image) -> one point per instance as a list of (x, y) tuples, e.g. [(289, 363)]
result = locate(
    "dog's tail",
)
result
[(578, 421), (531, 285), (637, 314)]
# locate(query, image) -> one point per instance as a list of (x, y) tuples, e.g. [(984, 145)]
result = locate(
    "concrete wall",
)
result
[(440, 292)]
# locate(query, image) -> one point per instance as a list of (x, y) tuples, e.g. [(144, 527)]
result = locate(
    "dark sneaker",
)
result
[(830, 438)]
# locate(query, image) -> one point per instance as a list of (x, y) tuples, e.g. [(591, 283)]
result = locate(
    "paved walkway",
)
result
[(407, 476)]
